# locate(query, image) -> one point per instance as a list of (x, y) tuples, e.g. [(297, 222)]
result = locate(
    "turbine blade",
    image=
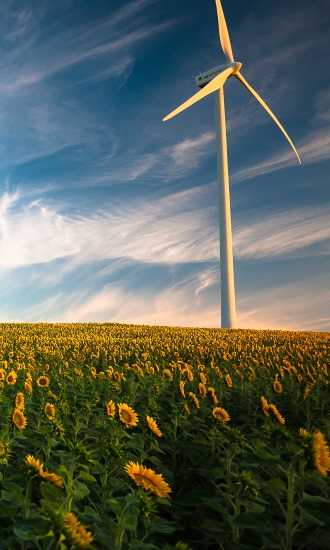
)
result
[(212, 86), (223, 32), (257, 96)]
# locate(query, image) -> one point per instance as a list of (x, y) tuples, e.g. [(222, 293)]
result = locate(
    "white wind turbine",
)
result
[(213, 81)]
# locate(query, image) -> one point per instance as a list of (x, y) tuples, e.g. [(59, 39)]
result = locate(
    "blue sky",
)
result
[(109, 214)]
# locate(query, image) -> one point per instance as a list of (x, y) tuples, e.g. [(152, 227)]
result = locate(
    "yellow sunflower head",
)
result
[(278, 416), (181, 388), (265, 405), (153, 426), (318, 451), (3, 374), (19, 401), (229, 381), (168, 373), (34, 464), (110, 408), (277, 386), (28, 386), (148, 479), (127, 415), (11, 377), (19, 419), (49, 410), (221, 414), (195, 399), (5, 453), (53, 478), (43, 381), (79, 537)]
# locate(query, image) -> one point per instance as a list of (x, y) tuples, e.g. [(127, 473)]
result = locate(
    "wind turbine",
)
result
[(213, 81)]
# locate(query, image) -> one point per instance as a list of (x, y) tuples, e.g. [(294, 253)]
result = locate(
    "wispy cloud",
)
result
[(177, 229), (66, 46), (171, 162), (41, 111), (313, 148), (284, 233), (295, 306)]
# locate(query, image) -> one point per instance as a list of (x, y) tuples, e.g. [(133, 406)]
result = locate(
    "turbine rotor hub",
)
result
[(236, 65)]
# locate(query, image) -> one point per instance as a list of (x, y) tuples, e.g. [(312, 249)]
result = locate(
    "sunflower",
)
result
[(43, 381), (202, 389), (148, 479), (181, 388), (2, 374), (28, 386), (306, 392), (229, 381), (221, 414), (19, 419), (77, 532), (277, 386), (4, 452), (19, 401), (279, 417), (153, 426), (319, 451), (202, 378), (265, 405), (195, 399), (110, 408), (127, 415), (168, 373), (11, 377), (52, 478), (49, 411), (212, 392), (35, 464)]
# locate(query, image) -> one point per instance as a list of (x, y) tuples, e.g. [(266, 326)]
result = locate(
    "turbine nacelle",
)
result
[(204, 78)]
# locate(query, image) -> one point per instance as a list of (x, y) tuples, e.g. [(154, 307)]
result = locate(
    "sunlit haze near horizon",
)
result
[(108, 214)]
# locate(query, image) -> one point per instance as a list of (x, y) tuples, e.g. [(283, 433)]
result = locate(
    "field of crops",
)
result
[(137, 437)]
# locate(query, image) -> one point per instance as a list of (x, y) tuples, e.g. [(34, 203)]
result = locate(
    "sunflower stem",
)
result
[(290, 508), (27, 499), (68, 485)]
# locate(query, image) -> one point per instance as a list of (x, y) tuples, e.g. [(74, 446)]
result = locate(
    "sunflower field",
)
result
[(137, 437)]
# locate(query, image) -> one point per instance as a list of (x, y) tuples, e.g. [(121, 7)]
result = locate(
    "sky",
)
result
[(109, 214)]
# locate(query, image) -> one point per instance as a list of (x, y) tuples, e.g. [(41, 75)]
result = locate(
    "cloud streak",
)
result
[(180, 228)]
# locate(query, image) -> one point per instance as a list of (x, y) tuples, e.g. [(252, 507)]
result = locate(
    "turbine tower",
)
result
[(209, 82)]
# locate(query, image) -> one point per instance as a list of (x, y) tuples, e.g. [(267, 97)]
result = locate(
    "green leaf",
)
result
[(165, 527), (50, 492), (267, 458), (251, 520), (277, 485), (87, 477), (215, 506), (314, 498), (306, 519), (79, 490)]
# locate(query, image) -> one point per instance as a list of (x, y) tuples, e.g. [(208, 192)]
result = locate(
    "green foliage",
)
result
[(250, 482)]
